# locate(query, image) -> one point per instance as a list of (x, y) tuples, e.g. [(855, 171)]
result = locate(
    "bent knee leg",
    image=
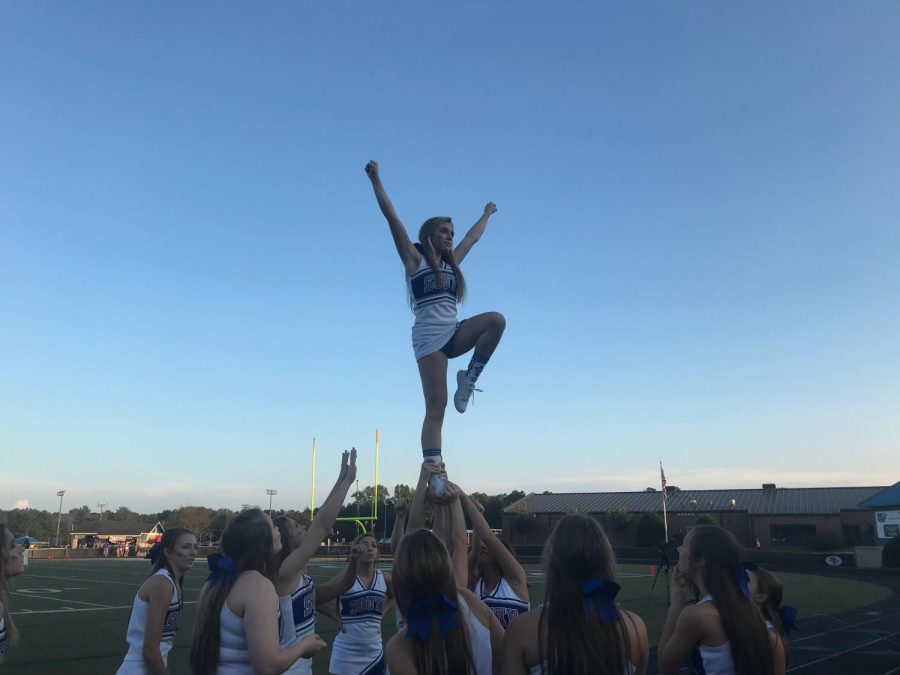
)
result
[(498, 322)]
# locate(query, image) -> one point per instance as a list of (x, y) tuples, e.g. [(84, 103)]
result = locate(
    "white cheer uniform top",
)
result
[(3, 639), (137, 626), (713, 660), (358, 648), (298, 614), (479, 639), (503, 601), (434, 307), (234, 653)]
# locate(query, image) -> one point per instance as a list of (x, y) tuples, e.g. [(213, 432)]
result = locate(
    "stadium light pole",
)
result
[(59, 518), (271, 492)]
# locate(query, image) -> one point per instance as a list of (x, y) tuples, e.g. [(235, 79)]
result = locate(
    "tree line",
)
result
[(207, 523)]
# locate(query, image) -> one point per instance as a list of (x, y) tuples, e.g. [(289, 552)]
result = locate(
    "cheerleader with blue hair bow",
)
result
[(156, 610)]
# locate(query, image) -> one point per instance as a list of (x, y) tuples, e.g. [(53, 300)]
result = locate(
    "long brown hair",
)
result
[(169, 539), (283, 525), (422, 567), (720, 554), (768, 583), (426, 248), (568, 642), (247, 540), (12, 635)]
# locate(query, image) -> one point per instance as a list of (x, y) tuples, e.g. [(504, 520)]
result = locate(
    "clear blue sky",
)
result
[(696, 247)]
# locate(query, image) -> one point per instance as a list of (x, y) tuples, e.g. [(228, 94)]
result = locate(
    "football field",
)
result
[(72, 614)]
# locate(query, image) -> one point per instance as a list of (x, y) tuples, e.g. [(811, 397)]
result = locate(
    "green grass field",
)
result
[(72, 614)]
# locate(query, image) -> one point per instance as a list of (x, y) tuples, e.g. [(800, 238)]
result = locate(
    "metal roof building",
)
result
[(769, 515), (765, 501)]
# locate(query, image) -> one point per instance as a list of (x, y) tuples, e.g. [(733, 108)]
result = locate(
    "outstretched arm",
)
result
[(340, 584), (408, 253), (459, 555), (400, 510), (321, 524), (474, 233), (474, 549), (417, 509)]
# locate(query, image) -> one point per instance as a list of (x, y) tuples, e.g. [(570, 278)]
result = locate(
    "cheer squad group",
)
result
[(460, 607)]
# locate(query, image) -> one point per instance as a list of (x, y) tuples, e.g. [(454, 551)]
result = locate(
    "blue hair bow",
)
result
[(741, 579), (153, 553), (788, 616), (602, 595), (221, 566), (427, 608)]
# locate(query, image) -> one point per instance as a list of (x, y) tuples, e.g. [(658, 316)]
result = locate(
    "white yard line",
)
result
[(92, 581), (841, 653), (24, 612), (46, 597)]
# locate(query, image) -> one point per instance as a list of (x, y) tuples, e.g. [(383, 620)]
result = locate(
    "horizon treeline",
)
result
[(207, 523)]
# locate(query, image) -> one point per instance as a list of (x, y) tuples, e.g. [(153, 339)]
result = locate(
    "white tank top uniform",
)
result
[(234, 652), (137, 626), (707, 660), (434, 307), (479, 639), (358, 650), (298, 612), (503, 601)]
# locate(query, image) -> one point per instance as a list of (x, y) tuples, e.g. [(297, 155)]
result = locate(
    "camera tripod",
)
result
[(665, 567)]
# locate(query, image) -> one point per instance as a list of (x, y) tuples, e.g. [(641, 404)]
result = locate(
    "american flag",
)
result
[(662, 480)]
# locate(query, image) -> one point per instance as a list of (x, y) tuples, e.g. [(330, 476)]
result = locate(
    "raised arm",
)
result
[(474, 548), (408, 253), (417, 509), (321, 524), (459, 554), (682, 629), (342, 583), (512, 570), (474, 233), (401, 508)]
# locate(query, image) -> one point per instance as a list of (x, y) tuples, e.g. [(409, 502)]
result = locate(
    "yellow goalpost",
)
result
[(359, 520)]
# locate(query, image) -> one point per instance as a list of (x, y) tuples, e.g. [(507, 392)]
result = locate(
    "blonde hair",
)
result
[(426, 248)]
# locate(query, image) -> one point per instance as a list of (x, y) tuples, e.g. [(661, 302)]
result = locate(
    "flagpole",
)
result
[(662, 478), (312, 507)]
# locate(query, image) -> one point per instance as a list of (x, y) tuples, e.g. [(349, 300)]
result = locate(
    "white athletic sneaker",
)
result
[(436, 486), (464, 390)]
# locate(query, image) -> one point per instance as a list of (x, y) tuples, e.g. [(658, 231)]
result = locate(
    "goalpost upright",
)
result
[(359, 520)]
